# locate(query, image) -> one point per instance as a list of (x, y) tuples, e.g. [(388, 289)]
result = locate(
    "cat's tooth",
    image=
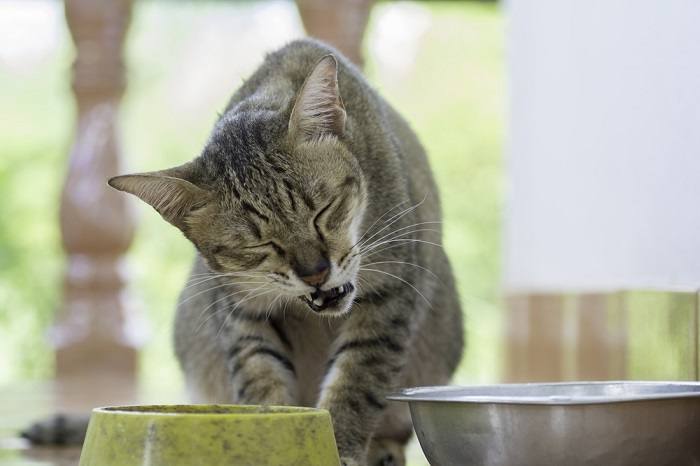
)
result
[(308, 296), (318, 301)]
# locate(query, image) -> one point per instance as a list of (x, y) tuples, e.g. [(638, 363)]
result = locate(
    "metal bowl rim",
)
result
[(422, 394)]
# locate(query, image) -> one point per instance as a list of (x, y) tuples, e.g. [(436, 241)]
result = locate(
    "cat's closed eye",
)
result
[(269, 245), (335, 215), (318, 219)]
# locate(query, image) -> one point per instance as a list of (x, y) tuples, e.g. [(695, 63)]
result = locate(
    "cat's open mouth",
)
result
[(322, 299)]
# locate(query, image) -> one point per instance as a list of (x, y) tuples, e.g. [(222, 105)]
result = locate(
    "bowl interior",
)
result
[(553, 393)]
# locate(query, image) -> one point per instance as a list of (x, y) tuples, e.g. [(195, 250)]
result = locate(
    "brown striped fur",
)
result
[(306, 161)]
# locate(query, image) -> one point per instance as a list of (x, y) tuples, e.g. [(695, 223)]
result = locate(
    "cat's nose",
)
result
[(315, 275)]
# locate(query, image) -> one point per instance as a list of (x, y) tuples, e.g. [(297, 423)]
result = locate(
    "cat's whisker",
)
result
[(222, 274), (375, 222), (381, 241), (406, 211), (385, 225), (244, 275), (382, 245), (190, 297), (402, 229), (396, 218), (238, 304), (201, 279), (217, 287), (204, 280), (402, 241), (211, 276), (204, 274), (249, 292), (218, 301), (284, 309), (397, 234), (366, 283), (401, 279), (425, 222), (210, 272), (391, 219), (405, 263), (380, 250), (270, 307), (400, 237)]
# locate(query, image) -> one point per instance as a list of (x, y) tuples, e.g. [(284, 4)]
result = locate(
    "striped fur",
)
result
[(308, 165)]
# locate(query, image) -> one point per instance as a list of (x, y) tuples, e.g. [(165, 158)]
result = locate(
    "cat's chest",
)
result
[(311, 339)]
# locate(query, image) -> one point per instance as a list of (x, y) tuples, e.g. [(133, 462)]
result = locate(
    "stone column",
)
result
[(96, 333), (341, 23)]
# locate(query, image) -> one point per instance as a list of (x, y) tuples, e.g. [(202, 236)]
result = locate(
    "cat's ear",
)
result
[(168, 191), (318, 110)]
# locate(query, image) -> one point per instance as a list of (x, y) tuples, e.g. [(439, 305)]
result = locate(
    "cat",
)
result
[(319, 278)]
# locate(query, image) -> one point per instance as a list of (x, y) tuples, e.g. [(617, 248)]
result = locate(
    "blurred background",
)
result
[(184, 60), (573, 233), (439, 63)]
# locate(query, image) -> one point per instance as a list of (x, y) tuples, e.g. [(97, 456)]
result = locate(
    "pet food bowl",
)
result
[(586, 423), (208, 435)]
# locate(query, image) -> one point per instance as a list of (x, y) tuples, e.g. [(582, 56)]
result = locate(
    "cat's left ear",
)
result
[(168, 191), (318, 110)]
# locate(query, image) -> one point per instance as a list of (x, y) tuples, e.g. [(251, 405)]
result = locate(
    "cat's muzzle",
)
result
[(323, 299)]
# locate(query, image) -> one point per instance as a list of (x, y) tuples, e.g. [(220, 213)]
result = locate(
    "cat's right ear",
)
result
[(167, 191), (318, 110)]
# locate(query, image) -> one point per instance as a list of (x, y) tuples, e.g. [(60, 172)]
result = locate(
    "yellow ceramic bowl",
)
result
[(209, 435)]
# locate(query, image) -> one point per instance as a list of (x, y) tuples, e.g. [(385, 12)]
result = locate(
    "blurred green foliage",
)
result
[(662, 334), (452, 94), (34, 133)]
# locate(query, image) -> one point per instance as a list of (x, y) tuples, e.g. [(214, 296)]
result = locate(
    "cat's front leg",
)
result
[(260, 364), (365, 366)]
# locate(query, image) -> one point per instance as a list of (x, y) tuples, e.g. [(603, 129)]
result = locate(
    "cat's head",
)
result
[(275, 201)]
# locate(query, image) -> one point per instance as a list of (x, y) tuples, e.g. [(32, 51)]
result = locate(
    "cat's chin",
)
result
[(333, 302)]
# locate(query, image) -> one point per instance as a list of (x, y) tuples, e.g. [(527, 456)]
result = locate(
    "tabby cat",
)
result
[(320, 279)]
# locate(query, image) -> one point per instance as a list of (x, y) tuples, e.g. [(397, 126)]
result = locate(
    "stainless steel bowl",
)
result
[(558, 424)]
